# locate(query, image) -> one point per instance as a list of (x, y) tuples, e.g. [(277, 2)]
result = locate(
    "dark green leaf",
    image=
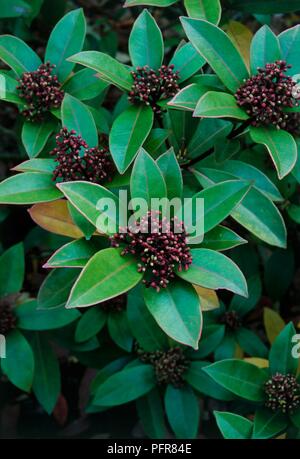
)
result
[(183, 411)]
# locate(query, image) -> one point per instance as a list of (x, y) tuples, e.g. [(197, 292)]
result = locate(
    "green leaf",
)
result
[(188, 97), (76, 115), (203, 383), (264, 48), (243, 305), (146, 45), (256, 212), (207, 132), (17, 55), (221, 238), (55, 289), (129, 132), (28, 188), (171, 171), (84, 85), (12, 270), (211, 337), (155, 140), (289, 43), (268, 424), (31, 317), (66, 38), (233, 426), (183, 411), (116, 274), (90, 324), (218, 50), (108, 68), (239, 377), (281, 358), (147, 181), (219, 201), (81, 222), (209, 10), (186, 61), (14, 9), (75, 254), (142, 324), (219, 105), (35, 136), (46, 382), (177, 311), (36, 165), (278, 143), (152, 416), (85, 197), (251, 343), (122, 387), (8, 89), (120, 333), (19, 362), (215, 271)]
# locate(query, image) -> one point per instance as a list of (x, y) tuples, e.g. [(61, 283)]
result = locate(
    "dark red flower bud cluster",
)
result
[(169, 366), (150, 86), (161, 247), (231, 320), (283, 393), (265, 96), (41, 92), (117, 304), (78, 162), (8, 320)]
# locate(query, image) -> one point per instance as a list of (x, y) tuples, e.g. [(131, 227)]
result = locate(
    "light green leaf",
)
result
[(186, 61), (233, 426), (209, 10), (264, 48), (28, 188), (17, 55), (219, 105), (35, 136), (76, 116)]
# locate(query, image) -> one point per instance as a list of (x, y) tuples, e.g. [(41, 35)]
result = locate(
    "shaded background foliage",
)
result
[(109, 26)]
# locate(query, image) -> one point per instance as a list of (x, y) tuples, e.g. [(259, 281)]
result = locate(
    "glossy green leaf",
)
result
[(76, 116), (17, 55), (221, 238), (211, 337), (66, 39), (151, 413), (264, 48), (35, 136), (219, 105), (55, 289), (171, 171), (28, 188), (243, 305), (119, 330), (233, 426), (143, 326), (146, 42), (147, 181), (90, 324), (177, 311), (122, 387), (87, 197), (84, 85), (186, 61), (203, 383), (116, 274), (218, 50), (289, 43), (18, 365), (46, 382), (31, 317), (281, 357), (183, 411), (209, 10), (108, 68), (278, 143), (129, 132), (12, 270), (207, 132), (75, 254), (251, 343), (155, 140), (214, 270), (8, 89), (14, 9), (36, 165), (188, 97), (239, 377), (268, 424)]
